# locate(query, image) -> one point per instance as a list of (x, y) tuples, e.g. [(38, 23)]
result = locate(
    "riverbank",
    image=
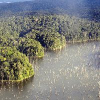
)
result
[(82, 41), (54, 49), (17, 81)]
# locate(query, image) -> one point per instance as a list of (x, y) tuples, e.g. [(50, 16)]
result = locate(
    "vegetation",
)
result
[(42, 27), (31, 47), (14, 65), (52, 41), (29, 34)]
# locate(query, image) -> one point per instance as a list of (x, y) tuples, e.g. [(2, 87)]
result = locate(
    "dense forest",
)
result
[(45, 28), (14, 65), (30, 34), (81, 8)]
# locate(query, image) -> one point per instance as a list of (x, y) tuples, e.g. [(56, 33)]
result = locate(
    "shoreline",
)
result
[(57, 49), (16, 81), (81, 41)]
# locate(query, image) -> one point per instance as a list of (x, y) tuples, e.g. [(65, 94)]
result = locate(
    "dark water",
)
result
[(70, 74)]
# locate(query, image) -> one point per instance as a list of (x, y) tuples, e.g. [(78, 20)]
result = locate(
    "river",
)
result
[(70, 74)]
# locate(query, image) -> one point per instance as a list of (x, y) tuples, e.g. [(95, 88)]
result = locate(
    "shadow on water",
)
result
[(33, 60), (17, 85)]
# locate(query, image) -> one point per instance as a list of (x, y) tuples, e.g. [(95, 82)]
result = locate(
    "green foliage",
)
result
[(34, 26), (31, 47), (30, 34), (52, 41), (14, 65)]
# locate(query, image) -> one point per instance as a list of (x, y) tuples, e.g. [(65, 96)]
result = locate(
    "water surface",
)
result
[(70, 74)]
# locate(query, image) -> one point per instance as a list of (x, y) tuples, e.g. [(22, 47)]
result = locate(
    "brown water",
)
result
[(70, 74)]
